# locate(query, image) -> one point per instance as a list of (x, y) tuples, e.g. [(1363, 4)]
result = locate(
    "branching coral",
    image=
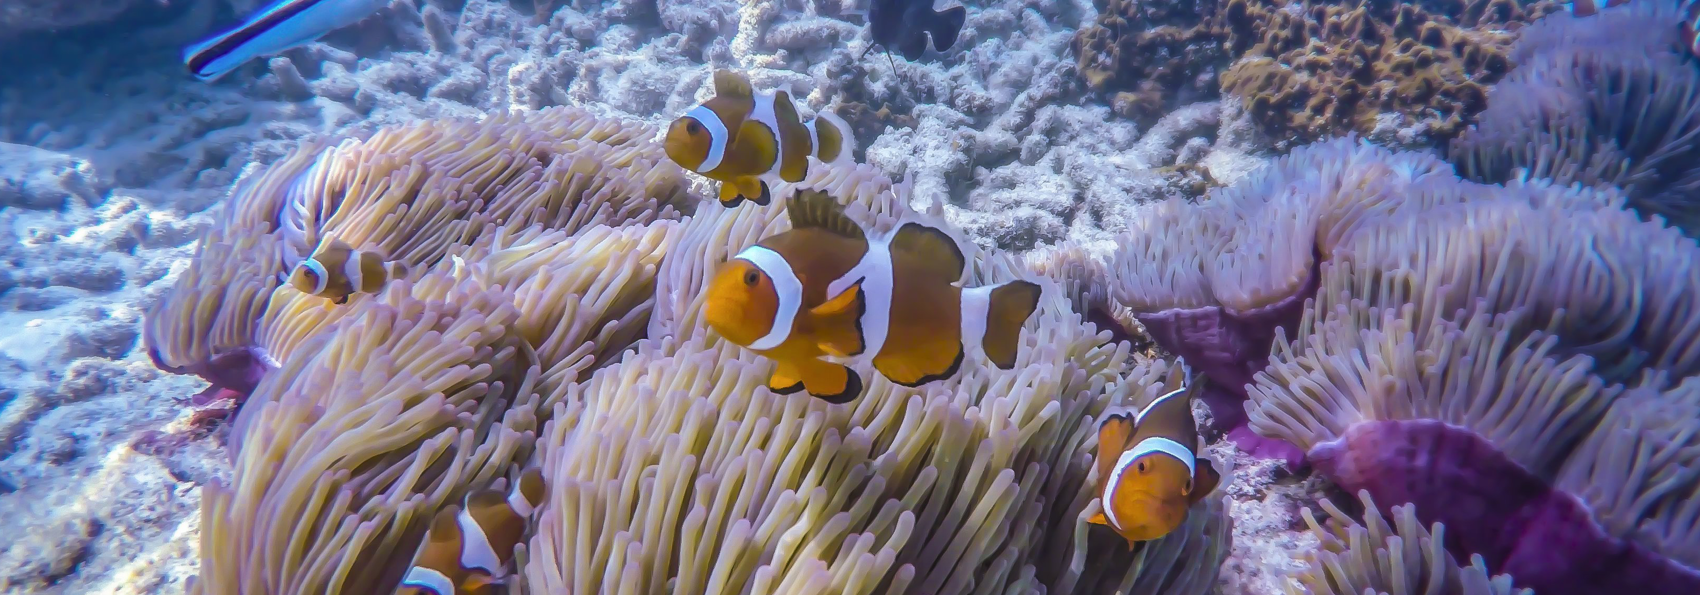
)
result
[(1606, 100), (412, 193), (1453, 345), (1396, 559)]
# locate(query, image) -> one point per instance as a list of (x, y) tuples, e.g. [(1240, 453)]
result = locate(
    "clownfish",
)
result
[(1149, 471), (280, 26), (467, 550), (1690, 26), (337, 271), (824, 289), (1582, 8), (746, 139)]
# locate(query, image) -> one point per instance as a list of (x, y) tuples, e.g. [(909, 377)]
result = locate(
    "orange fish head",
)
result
[(306, 280), (688, 143), (741, 302), (1150, 499)]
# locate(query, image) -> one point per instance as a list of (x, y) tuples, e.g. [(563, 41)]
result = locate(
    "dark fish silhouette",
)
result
[(905, 24)]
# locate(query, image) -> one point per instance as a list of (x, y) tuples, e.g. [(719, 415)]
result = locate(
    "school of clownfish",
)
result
[(817, 300)]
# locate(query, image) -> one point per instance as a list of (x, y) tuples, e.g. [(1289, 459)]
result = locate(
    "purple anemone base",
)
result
[(232, 375), (1545, 538), (1228, 347)]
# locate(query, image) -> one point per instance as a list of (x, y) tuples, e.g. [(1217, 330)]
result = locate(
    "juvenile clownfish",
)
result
[(746, 139), (280, 26), (337, 271), (1582, 8), (1149, 471), (825, 289), (467, 550)]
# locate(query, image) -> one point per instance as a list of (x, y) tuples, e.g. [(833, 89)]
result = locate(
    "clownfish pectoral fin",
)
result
[(1113, 435), (923, 362), (839, 321), (341, 299), (1009, 307), (819, 210), (730, 83), (1204, 478), (785, 379), (1099, 519), (932, 248), (830, 382), (729, 196)]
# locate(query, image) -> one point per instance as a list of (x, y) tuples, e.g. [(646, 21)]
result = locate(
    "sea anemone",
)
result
[(568, 337)]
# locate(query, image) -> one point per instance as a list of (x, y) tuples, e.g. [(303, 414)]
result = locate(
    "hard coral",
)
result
[(1311, 70), (1146, 55), (1607, 100)]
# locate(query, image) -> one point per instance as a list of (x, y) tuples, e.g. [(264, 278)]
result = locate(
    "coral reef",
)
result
[(1424, 313), (670, 464), (1404, 73), (1609, 100)]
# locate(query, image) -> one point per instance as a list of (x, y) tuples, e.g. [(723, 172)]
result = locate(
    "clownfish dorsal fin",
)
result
[(729, 83), (531, 488), (819, 210), (839, 321), (931, 247)]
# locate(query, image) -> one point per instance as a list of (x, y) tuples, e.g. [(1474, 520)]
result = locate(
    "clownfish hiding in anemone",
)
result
[(468, 548), (337, 271), (745, 140), (1149, 472), (825, 289)]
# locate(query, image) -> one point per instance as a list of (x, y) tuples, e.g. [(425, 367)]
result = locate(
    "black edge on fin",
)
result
[(852, 389), (766, 197), (955, 365), (817, 209), (786, 390), (922, 239), (732, 204), (946, 25)]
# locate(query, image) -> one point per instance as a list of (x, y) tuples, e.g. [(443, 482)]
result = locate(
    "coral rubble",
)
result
[(1609, 100), (1413, 312)]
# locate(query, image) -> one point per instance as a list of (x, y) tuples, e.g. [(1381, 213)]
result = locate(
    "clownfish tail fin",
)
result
[(834, 142), (1006, 309)]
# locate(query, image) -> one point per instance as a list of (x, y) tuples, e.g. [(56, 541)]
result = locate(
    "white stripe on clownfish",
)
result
[(814, 137), (1186, 381), (717, 137), (521, 506), (475, 550), (428, 579), (875, 273), (763, 112), (323, 277), (788, 288), (1152, 445), (976, 305)]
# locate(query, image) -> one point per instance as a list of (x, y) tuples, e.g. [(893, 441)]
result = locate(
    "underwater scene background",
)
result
[(859, 296)]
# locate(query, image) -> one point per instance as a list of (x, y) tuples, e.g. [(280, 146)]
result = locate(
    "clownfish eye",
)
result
[(751, 278), (1144, 466), (692, 127)]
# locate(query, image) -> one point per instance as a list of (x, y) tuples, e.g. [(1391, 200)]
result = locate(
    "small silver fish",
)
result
[(281, 26)]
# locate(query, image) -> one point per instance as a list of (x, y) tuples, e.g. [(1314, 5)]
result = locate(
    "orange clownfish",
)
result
[(824, 290), (337, 271), (467, 550), (1148, 467), (746, 139)]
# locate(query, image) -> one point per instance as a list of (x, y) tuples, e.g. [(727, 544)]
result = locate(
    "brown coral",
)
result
[(1312, 70), (1142, 54)]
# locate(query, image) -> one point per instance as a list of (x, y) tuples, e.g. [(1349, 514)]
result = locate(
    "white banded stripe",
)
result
[(1152, 445), (521, 506), (976, 305), (764, 113), (814, 138), (788, 288), (717, 137), (428, 579), (318, 269), (475, 549), (874, 271)]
